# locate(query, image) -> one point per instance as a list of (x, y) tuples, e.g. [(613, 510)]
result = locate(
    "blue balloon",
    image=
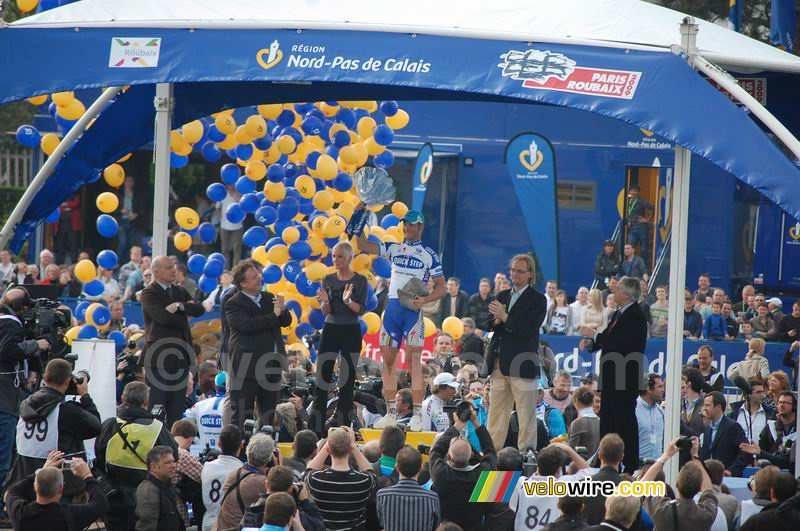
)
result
[(178, 161), (93, 288), (363, 325), (266, 215), (207, 284), (275, 173), (388, 107), (249, 202), (234, 213), (306, 207), (293, 193), (312, 158), (80, 310), (106, 225), (215, 134), (196, 263), (303, 232), (285, 118), (294, 133), (305, 286), (107, 259), (389, 221), (101, 316), (87, 332), (294, 307), (341, 139), (383, 135), (229, 173), (255, 236), (213, 269), (28, 136), (382, 267), (244, 185), (300, 250), (333, 151), (216, 192), (316, 319), (330, 242), (291, 269), (65, 124), (293, 170), (207, 232), (372, 303), (384, 160), (303, 108), (211, 152), (311, 126), (288, 208), (244, 151), (263, 143), (282, 224), (347, 117), (271, 274), (218, 257), (54, 216), (273, 242), (119, 340), (343, 182)]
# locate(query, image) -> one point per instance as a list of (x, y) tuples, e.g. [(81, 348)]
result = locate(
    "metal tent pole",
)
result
[(161, 152), (677, 275), (50, 164)]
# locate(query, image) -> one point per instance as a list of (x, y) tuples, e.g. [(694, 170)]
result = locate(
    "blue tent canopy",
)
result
[(213, 69)]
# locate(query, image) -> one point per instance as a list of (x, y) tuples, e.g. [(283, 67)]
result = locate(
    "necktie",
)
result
[(613, 322)]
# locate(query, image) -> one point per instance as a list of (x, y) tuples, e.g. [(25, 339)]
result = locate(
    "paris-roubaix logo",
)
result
[(269, 57), (546, 70)]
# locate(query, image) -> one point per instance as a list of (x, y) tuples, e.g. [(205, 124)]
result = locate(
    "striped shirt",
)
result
[(407, 506), (341, 496)]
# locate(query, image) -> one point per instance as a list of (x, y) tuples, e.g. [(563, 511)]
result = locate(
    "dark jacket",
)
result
[(604, 267), (566, 523), (693, 323), (310, 517), (472, 344), (739, 404), (789, 512), (478, 308), (254, 332), (595, 508), (624, 337), (612, 526), (787, 323), (462, 306), (455, 486), (123, 476), (725, 446), (160, 325), (155, 506), (28, 515), (518, 335), (14, 350), (767, 519), (77, 421)]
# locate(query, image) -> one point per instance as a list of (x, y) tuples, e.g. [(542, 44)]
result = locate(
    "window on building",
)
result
[(576, 195)]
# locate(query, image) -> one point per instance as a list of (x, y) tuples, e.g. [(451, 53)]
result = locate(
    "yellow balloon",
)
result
[(256, 126), (290, 235), (71, 111), (327, 167), (38, 100), (107, 202), (272, 154), (373, 322), (398, 121), (85, 270), (361, 263), (123, 159), (318, 226), (255, 170), (305, 186), (348, 154), (389, 238), (278, 254), (373, 148), (316, 271), (49, 142), (114, 175), (228, 143), (187, 218), (182, 241), (323, 200), (453, 326), (274, 191), (430, 327), (242, 136), (334, 227), (90, 314), (399, 209), (193, 131), (286, 144), (345, 209), (366, 127), (259, 254), (72, 334), (62, 99), (225, 123)]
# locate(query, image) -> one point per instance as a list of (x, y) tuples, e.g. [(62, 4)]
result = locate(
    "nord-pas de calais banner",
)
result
[(531, 165), (422, 172)]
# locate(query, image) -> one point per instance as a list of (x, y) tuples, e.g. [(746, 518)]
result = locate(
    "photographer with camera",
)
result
[(50, 421), (16, 354), (121, 451), (47, 512), (281, 479)]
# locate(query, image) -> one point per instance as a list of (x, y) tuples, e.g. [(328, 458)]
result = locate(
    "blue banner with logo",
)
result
[(530, 162), (783, 24), (422, 172)]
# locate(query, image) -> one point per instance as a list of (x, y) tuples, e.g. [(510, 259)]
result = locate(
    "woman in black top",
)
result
[(342, 299), (606, 264)]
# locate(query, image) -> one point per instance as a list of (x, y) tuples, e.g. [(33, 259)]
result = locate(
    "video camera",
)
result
[(44, 320), (303, 391), (372, 385), (208, 454), (460, 409)]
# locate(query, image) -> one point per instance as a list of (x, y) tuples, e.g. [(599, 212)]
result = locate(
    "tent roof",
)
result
[(600, 22)]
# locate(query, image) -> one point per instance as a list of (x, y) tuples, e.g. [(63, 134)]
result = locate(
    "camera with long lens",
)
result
[(684, 443), (158, 412), (78, 378), (312, 340), (44, 320), (460, 409), (372, 385), (208, 454)]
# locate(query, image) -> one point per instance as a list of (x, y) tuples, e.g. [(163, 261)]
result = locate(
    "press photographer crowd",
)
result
[(221, 425)]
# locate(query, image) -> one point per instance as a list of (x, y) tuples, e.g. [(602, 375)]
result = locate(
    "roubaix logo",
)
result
[(134, 52), (545, 70), (269, 57)]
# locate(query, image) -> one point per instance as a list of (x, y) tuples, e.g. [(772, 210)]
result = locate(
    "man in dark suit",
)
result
[(255, 349), (754, 421), (621, 366), (168, 352), (611, 452), (512, 357), (723, 436), (455, 303), (223, 362)]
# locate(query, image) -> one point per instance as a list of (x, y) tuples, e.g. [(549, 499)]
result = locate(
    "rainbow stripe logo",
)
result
[(495, 487)]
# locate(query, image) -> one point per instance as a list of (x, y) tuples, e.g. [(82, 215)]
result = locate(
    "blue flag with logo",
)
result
[(783, 24), (422, 172), (735, 8), (531, 165)]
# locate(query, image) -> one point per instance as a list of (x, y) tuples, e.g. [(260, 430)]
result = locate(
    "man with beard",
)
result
[(778, 437)]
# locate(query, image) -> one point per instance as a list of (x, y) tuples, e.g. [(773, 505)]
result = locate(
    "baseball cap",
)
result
[(776, 301), (414, 216), (446, 378), (220, 379)]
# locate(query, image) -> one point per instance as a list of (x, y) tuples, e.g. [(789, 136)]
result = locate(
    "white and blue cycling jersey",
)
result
[(207, 416), (410, 260)]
